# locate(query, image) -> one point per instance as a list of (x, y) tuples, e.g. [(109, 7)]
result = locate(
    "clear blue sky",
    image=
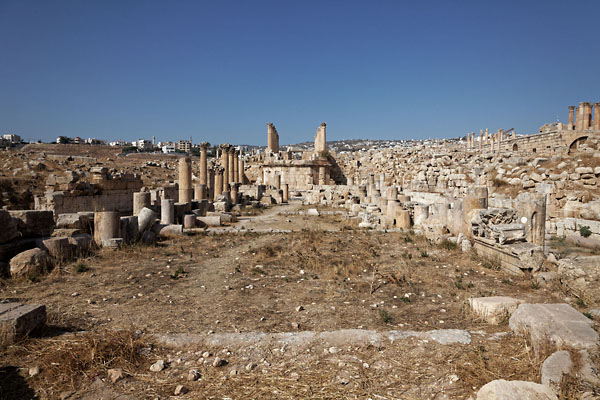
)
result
[(220, 70)]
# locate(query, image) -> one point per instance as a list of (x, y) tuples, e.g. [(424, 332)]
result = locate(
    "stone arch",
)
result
[(576, 142), (515, 147)]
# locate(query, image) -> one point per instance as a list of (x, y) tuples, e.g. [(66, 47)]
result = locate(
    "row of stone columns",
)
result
[(580, 118), (494, 140)]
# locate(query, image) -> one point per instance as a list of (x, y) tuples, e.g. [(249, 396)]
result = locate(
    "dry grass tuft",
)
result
[(72, 363)]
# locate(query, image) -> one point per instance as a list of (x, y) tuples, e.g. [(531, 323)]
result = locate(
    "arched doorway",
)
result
[(515, 147), (576, 143)]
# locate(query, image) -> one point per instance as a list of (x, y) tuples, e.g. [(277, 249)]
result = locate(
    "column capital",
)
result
[(204, 145), (571, 108)]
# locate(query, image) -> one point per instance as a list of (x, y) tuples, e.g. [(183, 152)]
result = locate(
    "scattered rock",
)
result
[(512, 390), (158, 366), (115, 374)]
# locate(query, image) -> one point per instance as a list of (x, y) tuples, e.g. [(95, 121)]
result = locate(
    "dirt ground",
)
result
[(113, 308)]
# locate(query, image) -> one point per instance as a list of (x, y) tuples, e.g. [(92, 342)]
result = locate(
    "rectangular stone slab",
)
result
[(559, 323), (20, 319)]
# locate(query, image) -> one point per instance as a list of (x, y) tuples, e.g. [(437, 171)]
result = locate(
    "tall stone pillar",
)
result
[(272, 138), (597, 116), (218, 183), (234, 193), (225, 165), (230, 178), (580, 116), (381, 181), (200, 192), (320, 140), (571, 118), (487, 137), (203, 164), (480, 139), (236, 166), (185, 180), (586, 116), (241, 170), (211, 184)]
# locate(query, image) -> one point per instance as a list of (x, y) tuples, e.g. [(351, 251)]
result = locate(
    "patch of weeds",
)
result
[(470, 285), (405, 299), (178, 272), (535, 285), (491, 263), (458, 282), (407, 255), (588, 314), (385, 316), (424, 254), (507, 281), (81, 267), (585, 231), (448, 245), (580, 302), (408, 239)]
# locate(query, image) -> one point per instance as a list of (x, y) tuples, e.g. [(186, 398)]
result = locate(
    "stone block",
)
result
[(18, 320), (494, 309), (555, 366), (73, 221), (30, 263), (501, 389), (9, 229), (59, 248), (34, 223), (560, 324), (209, 221)]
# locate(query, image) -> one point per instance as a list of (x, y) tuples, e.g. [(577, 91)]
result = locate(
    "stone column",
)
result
[(322, 175), (230, 171), (107, 225), (272, 138), (580, 116), (200, 192), (500, 133), (480, 139), (203, 163), (211, 184), (241, 170), (571, 117), (588, 116), (487, 137), (218, 183), (140, 200), (185, 180), (167, 212), (286, 193), (225, 165), (234, 192), (597, 116), (381, 181), (236, 166)]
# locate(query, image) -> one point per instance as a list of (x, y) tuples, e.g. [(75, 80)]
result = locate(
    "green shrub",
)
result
[(585, 231)]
